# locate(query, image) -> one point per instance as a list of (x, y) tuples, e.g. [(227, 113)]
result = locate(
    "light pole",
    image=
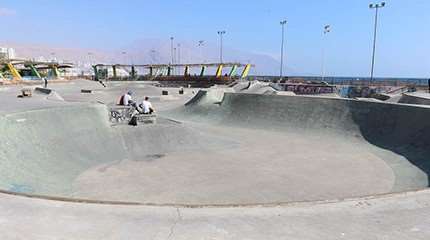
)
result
[(327, 29), (200, 45), (221, 33), (89, 58), (376, 7), (171, 50), (283, 23), (124, 57), (174, 57), (179, 53), (153, 56), (89, 61), (53, 58)]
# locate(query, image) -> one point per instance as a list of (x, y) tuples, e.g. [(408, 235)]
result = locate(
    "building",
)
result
[(7, 53)]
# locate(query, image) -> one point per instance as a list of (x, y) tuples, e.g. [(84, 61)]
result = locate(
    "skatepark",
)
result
[(213, 154)]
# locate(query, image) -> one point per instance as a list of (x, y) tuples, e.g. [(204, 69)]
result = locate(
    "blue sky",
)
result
[(403, 44)]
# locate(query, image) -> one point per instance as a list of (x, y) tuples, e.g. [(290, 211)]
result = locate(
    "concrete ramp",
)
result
[(51, 94)]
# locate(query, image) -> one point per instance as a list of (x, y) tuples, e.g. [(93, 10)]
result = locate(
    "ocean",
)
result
[(349, 80)]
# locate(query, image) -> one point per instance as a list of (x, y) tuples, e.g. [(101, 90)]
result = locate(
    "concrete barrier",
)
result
[(414, 99), (40, 90)]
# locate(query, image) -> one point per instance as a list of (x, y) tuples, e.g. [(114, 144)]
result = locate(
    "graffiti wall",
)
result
[(309, 89)]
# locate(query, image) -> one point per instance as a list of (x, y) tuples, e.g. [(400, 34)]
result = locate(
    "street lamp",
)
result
[(89, 61), (327, 29), (283, 23), (221, 33), (174, 57), (171, 50), (153, 56), (124, 57), (376, 7), (89, 57), (179, 53), (200, 45), (53, 58)]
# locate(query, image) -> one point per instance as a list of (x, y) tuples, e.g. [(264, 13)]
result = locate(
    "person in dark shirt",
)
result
[(429, 85)]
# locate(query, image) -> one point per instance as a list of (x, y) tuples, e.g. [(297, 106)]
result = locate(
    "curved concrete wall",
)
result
[(402, 129), (394, 123), (42, 151)]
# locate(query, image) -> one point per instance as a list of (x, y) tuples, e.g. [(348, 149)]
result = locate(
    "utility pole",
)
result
[(221, 33), (327, 29), (376, 7), (283, 23)]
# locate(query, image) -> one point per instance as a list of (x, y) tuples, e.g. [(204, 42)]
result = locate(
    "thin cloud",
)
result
[(7, 12)]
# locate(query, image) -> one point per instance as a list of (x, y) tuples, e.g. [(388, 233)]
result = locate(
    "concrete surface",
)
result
[(403, 216), (244, 160), (420, 98)]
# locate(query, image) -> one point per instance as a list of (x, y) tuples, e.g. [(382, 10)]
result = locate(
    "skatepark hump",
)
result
[(220, 148)]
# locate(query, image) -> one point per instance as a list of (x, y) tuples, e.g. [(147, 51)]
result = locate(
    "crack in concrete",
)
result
[(172, 228)]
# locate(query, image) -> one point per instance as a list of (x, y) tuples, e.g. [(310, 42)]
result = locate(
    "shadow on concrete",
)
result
[(402, 129)]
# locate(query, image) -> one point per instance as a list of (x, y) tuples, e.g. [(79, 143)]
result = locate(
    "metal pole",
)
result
[(124, 57), (376, 7), (221, 50), (326, 30), (90, 62), (200, 45), (221, 33), (171, 50), (174, 58), (282, 49), (179, 53), (282, 52), (153, 56), (374, 44), (323, 61)]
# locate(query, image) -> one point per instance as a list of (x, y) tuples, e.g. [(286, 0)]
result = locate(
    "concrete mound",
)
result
[(255, 87), (51, 94)]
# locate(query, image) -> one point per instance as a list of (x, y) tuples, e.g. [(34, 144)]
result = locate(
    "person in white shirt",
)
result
[(146, 106), (126, 99)]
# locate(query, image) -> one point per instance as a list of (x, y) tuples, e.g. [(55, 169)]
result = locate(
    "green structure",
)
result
[(34, 71)]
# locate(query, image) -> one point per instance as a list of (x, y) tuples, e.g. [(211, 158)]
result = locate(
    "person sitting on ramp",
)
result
[(126, 99), (146, 106)]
